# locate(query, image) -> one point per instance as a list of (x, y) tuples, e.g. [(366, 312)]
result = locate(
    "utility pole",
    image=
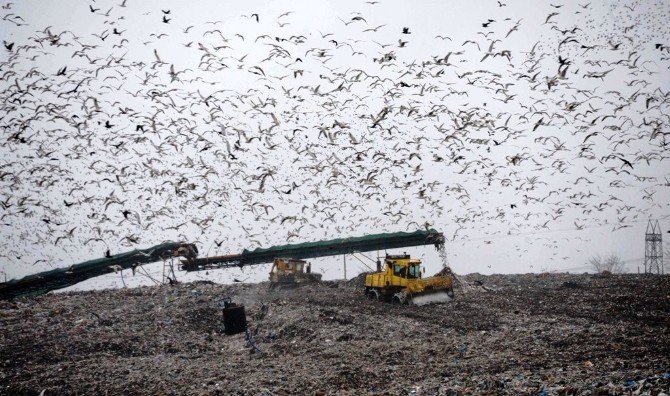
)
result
[(653, 249), (344, 257)]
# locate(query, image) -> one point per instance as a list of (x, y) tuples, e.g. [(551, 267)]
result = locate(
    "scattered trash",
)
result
[(531, 336)]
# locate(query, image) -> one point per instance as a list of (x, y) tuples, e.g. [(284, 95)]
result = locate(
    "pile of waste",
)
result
[(502, 334)]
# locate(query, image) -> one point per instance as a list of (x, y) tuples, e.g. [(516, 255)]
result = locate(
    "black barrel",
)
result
[(234, 318)]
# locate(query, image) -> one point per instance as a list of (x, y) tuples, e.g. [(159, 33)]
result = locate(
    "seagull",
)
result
[(553, 14)]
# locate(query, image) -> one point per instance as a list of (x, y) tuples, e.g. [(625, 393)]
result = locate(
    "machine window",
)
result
[(399, 270), (414, 272)]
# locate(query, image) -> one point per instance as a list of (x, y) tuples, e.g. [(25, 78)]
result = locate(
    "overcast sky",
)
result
[(264, 123)]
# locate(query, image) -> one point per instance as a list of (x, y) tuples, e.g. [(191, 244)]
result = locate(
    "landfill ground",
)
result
[(502, 334)]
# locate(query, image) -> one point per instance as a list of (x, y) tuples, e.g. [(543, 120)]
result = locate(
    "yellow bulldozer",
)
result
[(401, 281), (288, 272)]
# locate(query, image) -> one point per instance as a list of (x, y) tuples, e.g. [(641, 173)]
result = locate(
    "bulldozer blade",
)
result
[(432, 298)]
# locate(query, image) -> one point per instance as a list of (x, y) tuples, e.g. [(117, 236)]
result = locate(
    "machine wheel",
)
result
[(399, 298), (373, 295)]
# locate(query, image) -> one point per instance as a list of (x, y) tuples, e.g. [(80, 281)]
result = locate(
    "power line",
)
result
[(535, 232)]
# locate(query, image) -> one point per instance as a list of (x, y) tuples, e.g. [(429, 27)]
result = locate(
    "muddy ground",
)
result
[(514, 334)]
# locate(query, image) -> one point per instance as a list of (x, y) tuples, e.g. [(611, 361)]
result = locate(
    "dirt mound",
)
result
[(528, 334), (358, 280)]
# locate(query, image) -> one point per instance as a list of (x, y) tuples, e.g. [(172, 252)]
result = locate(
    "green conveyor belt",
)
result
[(43, 282), (319, 249)]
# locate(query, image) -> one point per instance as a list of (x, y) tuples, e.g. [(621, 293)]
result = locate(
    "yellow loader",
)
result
[(401, 281)]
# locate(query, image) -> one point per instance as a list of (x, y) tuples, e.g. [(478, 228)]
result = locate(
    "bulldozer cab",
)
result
[(292, 271), (284, 265), (403, 266)]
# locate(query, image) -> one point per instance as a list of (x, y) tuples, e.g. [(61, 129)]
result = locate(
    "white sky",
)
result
[(569, 202)]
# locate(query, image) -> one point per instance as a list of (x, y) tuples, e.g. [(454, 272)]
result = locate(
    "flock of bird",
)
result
[(239, 138)]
